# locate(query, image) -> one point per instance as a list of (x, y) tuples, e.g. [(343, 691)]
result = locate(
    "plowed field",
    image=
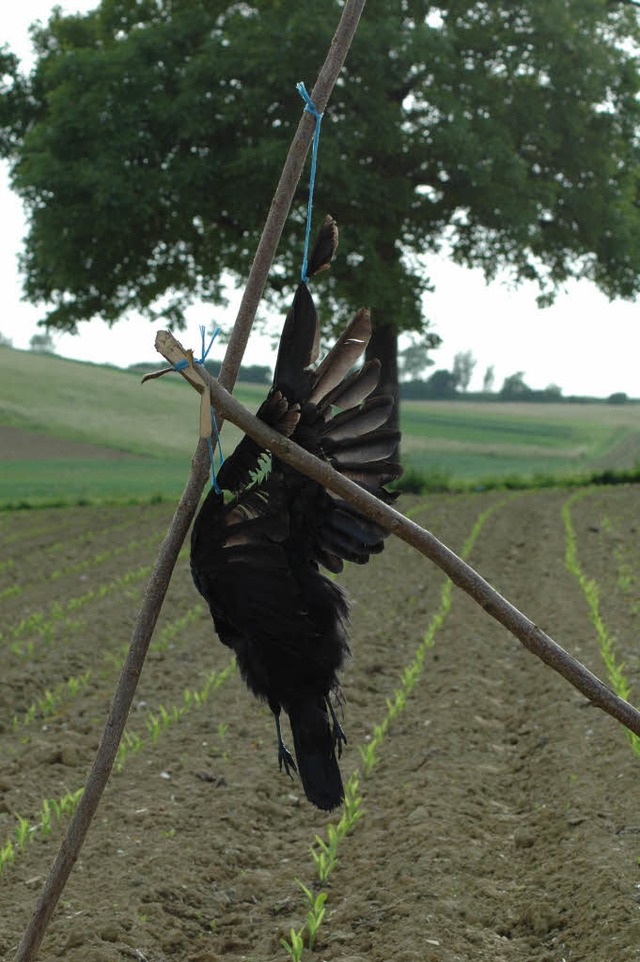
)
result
[(499, 814)]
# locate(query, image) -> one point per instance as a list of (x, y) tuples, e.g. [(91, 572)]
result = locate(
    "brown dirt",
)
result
[(18, 444), (499, 824)]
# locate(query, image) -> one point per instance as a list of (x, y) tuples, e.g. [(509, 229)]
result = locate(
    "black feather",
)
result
[(255, 558)]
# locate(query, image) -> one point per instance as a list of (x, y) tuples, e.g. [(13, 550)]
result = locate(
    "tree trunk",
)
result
[(384, 346)]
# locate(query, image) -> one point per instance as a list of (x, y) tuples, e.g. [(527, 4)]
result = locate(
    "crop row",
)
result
[(93, 561), (52, 811), (615, 667), (324, 851), (65, 541), (26, 532), (49, 701), (41, 625), (156, 722)]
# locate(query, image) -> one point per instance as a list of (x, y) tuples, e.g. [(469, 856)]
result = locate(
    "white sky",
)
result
[(583, 343)]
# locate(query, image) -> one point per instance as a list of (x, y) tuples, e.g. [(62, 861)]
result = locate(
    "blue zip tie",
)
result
[(180, 366), (312, 109)]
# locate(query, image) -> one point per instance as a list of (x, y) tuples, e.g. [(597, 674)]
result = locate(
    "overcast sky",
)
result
[(584, 343)]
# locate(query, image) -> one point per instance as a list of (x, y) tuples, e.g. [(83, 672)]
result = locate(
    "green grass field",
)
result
[(472, 441), (156, 424)]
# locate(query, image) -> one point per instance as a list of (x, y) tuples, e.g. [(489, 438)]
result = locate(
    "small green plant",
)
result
[(615, 668), (22, 831), (324, 854), (315, 914), (7, 855), (295, 947), (352, 810)]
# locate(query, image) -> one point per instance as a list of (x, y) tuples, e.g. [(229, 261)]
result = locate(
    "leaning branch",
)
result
[(174, 539), (465, 577)]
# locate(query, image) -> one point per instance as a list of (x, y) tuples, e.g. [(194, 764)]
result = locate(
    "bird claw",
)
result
[(286, 758), (284, 755), (339, 737), (338, 732)]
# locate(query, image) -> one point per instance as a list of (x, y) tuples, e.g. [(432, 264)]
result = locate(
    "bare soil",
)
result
[(18, 444), (501, 822)]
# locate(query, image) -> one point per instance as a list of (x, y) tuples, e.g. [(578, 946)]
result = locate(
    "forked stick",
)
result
[(464, 576), (174, 539)]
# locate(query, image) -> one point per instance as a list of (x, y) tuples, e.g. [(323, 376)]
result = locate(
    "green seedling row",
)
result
[(51, 700), (92, 562), (411, 673), (46, 704), (324, 851), (615, 668), (35, 531), (64, 543), (175, 629), (41, 625), (628, 578), (53, 810), (158, 721)]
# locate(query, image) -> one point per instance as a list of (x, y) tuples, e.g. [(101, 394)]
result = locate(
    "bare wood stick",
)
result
[(462, 574), (170, 548), (281, 203)]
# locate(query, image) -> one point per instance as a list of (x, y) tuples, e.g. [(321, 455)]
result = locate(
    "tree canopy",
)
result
[(148, 138)]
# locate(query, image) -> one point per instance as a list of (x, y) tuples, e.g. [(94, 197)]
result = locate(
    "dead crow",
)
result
[(255, 556)]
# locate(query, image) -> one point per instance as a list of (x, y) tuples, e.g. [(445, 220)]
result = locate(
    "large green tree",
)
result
[(147, 140)]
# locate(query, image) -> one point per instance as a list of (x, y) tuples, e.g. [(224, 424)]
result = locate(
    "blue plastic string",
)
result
[(179, 366), (312, 109)]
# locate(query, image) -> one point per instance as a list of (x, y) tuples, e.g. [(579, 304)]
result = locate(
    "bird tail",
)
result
[(314, 744)]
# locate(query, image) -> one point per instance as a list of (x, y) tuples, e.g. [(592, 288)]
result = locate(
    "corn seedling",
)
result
[(10, 591), (45, 817), (7, 855), (173, 630), (325, 853), (315, 914), (130, 744), (52, 699), (22, 831), (295, 947), (352, 807)]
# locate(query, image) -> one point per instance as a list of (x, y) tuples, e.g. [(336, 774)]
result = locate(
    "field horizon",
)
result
[(153, 431)]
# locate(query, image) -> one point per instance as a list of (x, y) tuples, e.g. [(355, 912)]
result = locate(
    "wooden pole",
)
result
[(174, 539), (464, 576)]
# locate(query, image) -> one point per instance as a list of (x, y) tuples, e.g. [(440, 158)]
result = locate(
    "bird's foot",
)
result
[(284, 755), (286, 758), (338, 732)]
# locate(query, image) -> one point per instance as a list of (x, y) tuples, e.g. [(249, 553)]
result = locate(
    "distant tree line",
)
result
[(251, 373), (453, 384)]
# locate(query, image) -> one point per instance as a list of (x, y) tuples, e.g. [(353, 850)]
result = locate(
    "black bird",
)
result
[(255, 557)]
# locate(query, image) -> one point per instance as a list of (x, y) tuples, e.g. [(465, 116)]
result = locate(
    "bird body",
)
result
[(255, 557)]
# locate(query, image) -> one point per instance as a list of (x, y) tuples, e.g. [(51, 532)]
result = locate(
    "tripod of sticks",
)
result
[(498, 607)]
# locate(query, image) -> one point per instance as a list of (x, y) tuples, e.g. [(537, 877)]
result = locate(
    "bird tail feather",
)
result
[(314, 745)]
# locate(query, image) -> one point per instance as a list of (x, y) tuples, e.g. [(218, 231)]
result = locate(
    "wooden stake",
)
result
[(462, 574), (167, 557)]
